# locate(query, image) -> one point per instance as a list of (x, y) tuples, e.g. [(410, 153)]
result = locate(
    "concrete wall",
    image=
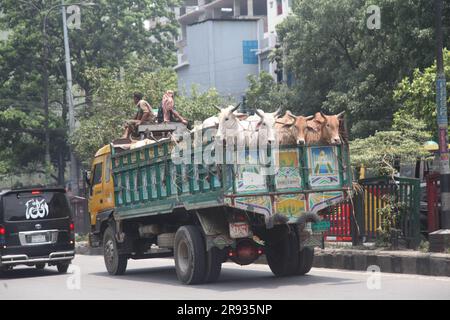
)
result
[(215, 55)]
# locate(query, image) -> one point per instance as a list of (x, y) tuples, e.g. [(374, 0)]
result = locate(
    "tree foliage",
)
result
[(417, 95), (339, 64), (114, 104), (405, 142), (264, 93), (112, 33)]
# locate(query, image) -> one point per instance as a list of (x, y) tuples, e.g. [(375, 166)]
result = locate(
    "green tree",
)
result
[(264, 93), (417, 95), (379, 151), (112, 34), (198, 106), (113, 105), (339, 64)]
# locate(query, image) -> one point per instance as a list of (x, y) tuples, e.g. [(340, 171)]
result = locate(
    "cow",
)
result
[(229, 124), (324, 129), (291, 129), (262, 126)]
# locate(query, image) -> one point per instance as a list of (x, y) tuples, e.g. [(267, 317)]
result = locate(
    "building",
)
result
[(218, 44), (221, 42), (277, 11)]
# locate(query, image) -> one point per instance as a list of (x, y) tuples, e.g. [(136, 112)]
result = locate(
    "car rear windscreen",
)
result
[(37, 206)]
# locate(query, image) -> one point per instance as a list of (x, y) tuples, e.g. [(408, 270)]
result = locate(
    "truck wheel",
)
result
[(214, 259), (282, 254), (115, 263), (62, 267), (190, 255), (305, 260)]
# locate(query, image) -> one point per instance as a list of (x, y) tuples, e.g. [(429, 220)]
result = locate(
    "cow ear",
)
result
[(319, 117)]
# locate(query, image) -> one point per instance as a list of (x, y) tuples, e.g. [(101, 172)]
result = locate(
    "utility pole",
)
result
[(440, 240), (73, 183), (46, 107)]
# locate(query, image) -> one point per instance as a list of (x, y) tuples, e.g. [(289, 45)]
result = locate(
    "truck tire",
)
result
[(190, 255), (214, 259), (115, 263), (282, 254), (305, 260)]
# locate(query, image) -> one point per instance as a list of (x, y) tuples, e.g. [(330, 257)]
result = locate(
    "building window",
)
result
[(250, 49), (279, 7)]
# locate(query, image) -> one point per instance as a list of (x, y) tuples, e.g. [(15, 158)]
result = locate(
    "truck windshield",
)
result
[(38, 206)]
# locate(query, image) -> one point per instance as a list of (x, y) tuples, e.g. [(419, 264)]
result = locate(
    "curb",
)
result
[(406, 262)]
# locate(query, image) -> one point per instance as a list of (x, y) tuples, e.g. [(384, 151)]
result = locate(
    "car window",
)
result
[(42, 205), (97, 174)]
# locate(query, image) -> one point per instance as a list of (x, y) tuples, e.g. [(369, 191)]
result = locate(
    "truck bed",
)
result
[(307, 178)]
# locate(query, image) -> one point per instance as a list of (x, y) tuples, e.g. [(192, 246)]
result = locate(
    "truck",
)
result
[(144, 204)]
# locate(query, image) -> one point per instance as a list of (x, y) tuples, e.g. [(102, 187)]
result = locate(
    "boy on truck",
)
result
[(144, 115)]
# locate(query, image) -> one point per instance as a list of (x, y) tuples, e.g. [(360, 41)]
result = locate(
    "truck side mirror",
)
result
[(87, 177)]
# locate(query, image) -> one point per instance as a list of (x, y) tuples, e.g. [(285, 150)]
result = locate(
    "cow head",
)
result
[(300, 123), (266, 124), (328, 126), (228, 122)]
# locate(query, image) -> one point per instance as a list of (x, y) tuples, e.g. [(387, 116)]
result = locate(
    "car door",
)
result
[(96, 196)]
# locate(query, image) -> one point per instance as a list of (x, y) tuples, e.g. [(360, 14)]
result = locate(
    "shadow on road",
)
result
[(230, 279), (23, 273)]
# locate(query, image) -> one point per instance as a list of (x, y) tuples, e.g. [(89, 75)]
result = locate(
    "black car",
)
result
[(36, 229)]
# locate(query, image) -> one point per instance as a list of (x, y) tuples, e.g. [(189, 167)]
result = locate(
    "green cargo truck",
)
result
[(144, 204)]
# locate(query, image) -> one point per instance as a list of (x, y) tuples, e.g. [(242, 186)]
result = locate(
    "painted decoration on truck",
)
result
[(290, 205), (249, 173), (250, 179), (321, 200), (288, 172), (323, 167), (261, 205)]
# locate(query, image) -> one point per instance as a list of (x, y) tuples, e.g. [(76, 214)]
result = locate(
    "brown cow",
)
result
[(324, 129), (291, 129)]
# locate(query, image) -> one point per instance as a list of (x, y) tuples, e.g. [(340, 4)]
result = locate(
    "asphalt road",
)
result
[(156, 279)]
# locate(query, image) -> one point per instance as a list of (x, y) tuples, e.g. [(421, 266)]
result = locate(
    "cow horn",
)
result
[(235, 108), (277, 112), (259, 113), (309, 118), (341, 115), (218, 108)]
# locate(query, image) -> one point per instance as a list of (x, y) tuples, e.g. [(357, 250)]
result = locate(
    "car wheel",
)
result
[(40, 266), (62, 267)]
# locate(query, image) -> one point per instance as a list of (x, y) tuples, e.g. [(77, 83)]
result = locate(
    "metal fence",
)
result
[(358, 219)]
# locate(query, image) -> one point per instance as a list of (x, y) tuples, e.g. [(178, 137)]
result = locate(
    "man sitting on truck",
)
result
[(167, 112), (144, 115)]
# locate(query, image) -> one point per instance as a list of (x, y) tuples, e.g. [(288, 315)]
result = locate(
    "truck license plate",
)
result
[(239, 230), (38, 238)]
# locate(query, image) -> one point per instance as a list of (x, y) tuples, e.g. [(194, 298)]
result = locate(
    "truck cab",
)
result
[(36, 229)]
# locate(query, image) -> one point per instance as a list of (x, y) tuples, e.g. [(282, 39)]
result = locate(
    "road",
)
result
[(156, 279)]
